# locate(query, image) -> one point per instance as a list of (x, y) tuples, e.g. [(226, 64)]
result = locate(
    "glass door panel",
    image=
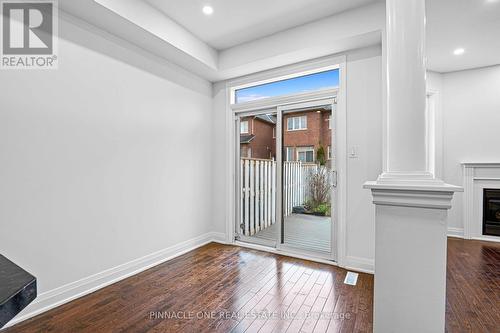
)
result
[(307, 184), (256, 181)]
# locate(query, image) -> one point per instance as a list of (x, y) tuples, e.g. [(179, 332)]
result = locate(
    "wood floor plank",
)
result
[(222, 284), (472, 286)]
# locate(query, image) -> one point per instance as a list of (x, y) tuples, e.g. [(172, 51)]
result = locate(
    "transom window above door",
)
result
[(298, 83), (297, 123)]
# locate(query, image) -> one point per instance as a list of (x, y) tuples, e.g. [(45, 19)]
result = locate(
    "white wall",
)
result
[(364, 132), (220, 169), (471, 113), (101, 161), (434, 90)]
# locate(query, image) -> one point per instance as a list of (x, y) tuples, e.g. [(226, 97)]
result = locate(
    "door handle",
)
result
[(334, 178)]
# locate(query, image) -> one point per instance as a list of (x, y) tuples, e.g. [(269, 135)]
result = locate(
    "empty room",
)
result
[(250, 166)]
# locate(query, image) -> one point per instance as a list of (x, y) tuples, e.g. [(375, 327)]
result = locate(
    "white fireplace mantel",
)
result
[(477, 176)]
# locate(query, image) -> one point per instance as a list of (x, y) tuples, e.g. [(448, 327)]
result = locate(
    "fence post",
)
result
[(257, 195), (290, 187), (297, 184), (268, 221), (285, 189), (273, 201), (252, 197), (242, 196), (247, 199), (266, 206), (262, 186)]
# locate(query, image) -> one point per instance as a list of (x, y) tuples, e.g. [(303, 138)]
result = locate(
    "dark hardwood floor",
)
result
[(473, 286), (211, 289), (220, 288)]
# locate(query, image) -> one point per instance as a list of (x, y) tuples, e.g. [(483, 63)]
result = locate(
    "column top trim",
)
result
[(436, 196), (480, 164), (374, 185)]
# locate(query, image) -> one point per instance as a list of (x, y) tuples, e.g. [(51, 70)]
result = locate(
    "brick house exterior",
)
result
[(317, 133), (258, 139)]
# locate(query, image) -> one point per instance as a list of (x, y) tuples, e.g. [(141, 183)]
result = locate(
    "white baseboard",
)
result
[(486, 238), (459, 233), (219, 237), (64, 294), (455, 232), (359, 264)]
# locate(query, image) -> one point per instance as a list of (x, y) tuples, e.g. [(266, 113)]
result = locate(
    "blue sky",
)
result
[(323, 80)]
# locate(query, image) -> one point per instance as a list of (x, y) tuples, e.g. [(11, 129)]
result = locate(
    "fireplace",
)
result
[(491, 212)]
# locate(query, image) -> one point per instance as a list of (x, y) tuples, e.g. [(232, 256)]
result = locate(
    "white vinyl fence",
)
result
[(296, 177), (258, 191)]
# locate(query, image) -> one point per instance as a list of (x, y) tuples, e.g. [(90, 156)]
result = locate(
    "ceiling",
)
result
[(243, 37), (238, 21), (470, 24)]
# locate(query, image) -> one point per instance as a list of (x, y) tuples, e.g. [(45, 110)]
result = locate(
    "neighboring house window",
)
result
[(244, 127), (289, 154), (329, 122), (246, 152), (297, 123), (305, 154), (274, 132), (329, 152)]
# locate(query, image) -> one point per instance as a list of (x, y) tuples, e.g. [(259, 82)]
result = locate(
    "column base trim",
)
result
[(419, 194)]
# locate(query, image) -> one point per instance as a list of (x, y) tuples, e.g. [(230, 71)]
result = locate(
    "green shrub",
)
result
[(323, 209), (321, 156)]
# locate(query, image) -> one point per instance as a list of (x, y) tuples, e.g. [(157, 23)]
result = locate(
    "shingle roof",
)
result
[(267, 117), (246, 138)]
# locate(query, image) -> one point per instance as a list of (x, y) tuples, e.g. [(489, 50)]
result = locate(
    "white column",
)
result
[(405, 128), (411, 205)]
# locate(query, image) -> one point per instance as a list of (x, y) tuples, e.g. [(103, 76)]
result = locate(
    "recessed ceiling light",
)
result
[(459, 51), (208, 10)]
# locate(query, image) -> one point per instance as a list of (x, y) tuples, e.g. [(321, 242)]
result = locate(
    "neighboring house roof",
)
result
[(246, 138), (267, 118)]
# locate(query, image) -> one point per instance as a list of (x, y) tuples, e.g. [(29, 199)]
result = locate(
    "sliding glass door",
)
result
[(285, 177)]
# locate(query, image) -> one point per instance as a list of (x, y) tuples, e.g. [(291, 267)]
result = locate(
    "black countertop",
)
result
[(17, 289)]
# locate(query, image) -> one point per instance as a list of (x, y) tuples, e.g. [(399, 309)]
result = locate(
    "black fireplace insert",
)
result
[(491, 212)]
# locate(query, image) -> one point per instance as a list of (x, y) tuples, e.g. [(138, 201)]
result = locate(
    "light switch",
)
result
[(353, 152)]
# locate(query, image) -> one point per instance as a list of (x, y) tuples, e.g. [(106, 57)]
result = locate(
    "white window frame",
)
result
[(289, 151), (293, 119), (327, 63), (247, 126), (299, 150), (304, 72)]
